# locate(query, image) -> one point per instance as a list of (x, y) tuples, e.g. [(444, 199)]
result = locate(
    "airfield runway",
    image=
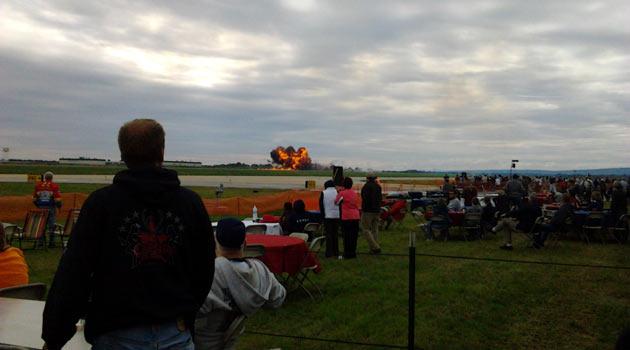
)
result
[(273, 182)]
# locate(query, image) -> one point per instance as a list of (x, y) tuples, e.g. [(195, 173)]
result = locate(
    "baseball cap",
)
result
[(230, 233)]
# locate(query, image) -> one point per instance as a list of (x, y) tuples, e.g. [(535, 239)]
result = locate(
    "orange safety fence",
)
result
[(242, 206), (14, 208)]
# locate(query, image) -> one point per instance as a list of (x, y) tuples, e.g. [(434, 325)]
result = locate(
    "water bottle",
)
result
[(255, 213)]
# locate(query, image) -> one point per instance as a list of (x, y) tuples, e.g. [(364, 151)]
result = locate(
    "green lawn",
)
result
[(24, 188), (460, 304)]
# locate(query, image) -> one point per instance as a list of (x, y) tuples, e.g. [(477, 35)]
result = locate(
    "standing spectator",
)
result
[(348, 200), (47, 196), (13, 268), (447, 187), (515, 190), (454, 202), (140, 259), (240, 288), (330, 212), (371, 200)]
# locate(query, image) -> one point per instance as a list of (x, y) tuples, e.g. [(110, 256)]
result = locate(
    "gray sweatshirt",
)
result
[(240, 287)]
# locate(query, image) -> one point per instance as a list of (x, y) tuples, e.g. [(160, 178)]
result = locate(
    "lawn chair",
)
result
[(254, 251), (594, 222), (312, 229), (34, 229), (256, 229), (440, 224), (395, 213), (301, 277), (65, 230), (620, 230), (472, 224), (34, 291), (301, 235)]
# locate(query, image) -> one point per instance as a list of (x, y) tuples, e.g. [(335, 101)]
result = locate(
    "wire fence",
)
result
[(411, 289)]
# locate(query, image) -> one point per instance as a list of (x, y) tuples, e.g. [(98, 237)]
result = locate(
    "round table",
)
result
[(284, 254)]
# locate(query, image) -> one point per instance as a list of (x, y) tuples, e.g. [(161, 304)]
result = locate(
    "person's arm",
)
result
[(322, 209), (70, 290), (202, 271), (56, 195), (277, 294), (339, 198)]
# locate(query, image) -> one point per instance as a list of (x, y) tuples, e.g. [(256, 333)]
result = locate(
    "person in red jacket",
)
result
[(348, 201), (47, 196)]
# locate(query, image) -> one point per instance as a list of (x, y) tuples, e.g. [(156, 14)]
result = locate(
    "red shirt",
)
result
[(349, 205), (46, 193)]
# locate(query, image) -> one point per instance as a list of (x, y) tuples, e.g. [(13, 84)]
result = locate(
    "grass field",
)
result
[(460, 304), (113, 169), (23, 188)]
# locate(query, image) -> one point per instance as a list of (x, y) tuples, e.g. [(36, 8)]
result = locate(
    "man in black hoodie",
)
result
[(140, 260)]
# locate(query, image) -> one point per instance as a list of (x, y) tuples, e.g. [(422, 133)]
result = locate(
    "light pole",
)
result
[(513, 166)]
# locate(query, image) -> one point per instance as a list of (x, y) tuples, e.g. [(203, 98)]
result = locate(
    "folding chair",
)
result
[(312, 229), (301, 277), (472, 224), (300, 235), (594, 223), (620, 230), (256, 229), (66, 229), (34, 228), (34, 291), (254, 250), (440, 224)]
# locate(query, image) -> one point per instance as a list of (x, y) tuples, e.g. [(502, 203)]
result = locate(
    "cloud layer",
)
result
[(382, 84)]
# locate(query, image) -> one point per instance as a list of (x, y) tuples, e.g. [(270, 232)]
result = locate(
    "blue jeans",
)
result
[(165, 336)]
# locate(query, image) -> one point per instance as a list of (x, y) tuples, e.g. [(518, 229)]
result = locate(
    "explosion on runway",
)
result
[(290, 159)]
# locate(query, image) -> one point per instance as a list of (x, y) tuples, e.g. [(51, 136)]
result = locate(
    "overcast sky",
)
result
[(374, 84)]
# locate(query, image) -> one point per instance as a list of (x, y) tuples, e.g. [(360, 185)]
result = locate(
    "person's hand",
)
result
[(45, 347)]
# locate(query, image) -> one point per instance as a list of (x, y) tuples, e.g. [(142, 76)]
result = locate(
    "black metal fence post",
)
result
[(411, 323)]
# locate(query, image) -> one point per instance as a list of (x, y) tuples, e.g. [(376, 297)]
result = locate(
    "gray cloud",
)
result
[(400, 85)]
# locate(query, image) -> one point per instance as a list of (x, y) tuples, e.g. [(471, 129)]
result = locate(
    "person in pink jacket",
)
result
[(348, 201)]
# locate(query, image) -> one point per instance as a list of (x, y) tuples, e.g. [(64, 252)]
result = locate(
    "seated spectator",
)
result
[(488, 220), (454, 203), (300, 217), (439, 220), (240, 288), (518, 219), (619, 201), (556, 223), (475, 206), (596, 203), (287, 211), (13, 268)]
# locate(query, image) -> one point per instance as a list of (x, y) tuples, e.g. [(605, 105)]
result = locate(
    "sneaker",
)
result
[(507, 247), (340, 257)]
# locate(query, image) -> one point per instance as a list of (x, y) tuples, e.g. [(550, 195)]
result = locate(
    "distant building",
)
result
[(83, 161), (181, 163)]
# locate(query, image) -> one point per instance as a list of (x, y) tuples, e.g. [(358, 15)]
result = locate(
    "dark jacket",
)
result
[(371, 197), (527, 215), (561, 215), (141, 253), (618, 204)]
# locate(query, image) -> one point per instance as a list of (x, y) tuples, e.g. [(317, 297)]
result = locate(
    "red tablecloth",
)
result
[(457, 217), (284, 254)]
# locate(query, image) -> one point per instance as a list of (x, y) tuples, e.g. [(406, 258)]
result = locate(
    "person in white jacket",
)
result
[(330, 213), (240, 288)]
